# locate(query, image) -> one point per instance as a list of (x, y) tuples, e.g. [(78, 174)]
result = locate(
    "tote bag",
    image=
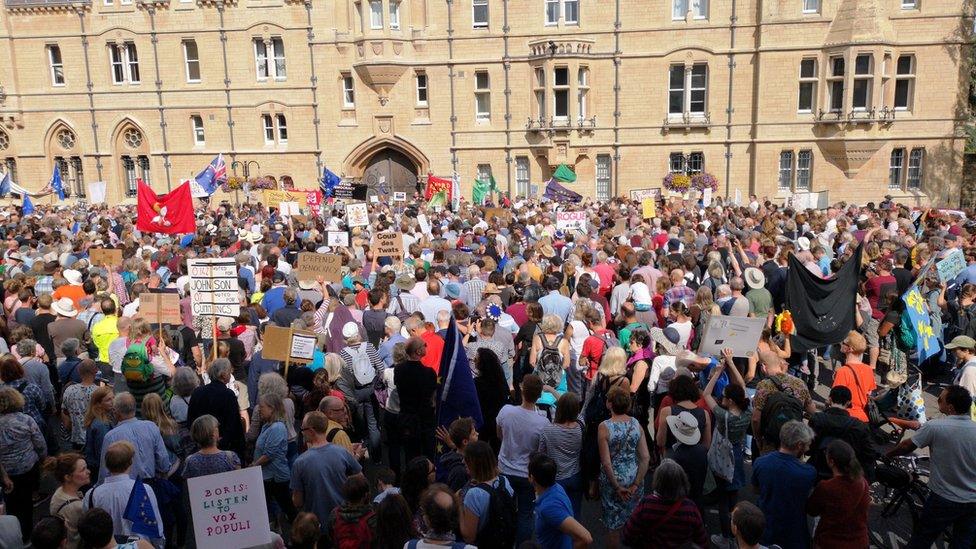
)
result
[(721, 458)]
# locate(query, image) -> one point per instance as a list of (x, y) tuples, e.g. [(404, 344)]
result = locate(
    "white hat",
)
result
[(803, 243), (351, 329), (224, 323), (65, 307), (73, 277), (307, 284), (684, 427), (755, 278)]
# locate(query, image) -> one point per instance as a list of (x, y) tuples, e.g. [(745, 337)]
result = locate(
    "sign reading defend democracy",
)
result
[(229, 509), (388, 245), (568, 221), (213, 287), (312, 265)]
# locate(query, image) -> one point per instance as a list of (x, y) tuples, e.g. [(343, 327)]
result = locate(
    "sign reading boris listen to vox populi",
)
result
[(158, 308), (229, 509), (105, 257), (388, 245), (312, 265)]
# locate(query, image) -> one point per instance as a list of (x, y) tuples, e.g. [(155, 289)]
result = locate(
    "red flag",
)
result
[(170, 213), (435, 185)]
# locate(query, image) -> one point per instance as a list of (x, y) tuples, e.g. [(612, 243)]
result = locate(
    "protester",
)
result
[(72, 472), (665, 518), (625, 458), (784, 483), (22, 449), (841, 502), (116, 489)]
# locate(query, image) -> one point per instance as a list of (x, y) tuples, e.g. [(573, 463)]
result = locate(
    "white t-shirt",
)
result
[(684, 331), (520, 437), (580, 333), (662, 371), (641, 293)]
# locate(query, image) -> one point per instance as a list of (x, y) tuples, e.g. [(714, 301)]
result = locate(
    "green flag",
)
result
[(480, 191), (564, 174), (494, 187), (438, 199)]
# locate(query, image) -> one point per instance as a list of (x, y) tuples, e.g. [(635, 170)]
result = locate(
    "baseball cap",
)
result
[(961, 342)]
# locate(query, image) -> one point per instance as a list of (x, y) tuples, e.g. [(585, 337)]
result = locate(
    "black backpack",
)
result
[(780, 408), (549, 363), (499, 531)]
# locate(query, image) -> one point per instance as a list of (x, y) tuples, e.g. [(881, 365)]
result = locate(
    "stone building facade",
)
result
[(858, 98)]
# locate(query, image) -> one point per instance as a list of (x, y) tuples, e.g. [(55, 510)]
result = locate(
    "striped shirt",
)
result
[(564, 445), (650, 526), (347, 377), (472, 292)]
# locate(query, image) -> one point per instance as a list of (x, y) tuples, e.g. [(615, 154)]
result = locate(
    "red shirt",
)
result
[(874, 290), (593, 349), (605, 272), (842, 505), (844, 376), (435, 348)]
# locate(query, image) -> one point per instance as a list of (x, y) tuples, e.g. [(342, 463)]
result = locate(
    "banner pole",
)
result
[(213, 307), (291, 333)]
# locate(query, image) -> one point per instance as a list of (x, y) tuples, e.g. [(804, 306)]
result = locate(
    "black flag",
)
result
[(823, 309)]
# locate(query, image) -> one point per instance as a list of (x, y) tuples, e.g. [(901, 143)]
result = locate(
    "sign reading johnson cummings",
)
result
[(229, 509), (213, 287)]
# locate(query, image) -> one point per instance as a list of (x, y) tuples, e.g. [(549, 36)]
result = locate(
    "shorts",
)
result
[(870, 330)]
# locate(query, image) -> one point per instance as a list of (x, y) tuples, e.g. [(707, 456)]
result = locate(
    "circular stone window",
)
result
[(66, 138), (132, 138)]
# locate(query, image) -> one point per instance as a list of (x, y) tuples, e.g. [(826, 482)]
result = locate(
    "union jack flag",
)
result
[(213, 175)]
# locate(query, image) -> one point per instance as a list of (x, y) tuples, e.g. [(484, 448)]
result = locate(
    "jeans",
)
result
[(525, 507), (937, 515), (575, 379), (574, 489), (364, 407)]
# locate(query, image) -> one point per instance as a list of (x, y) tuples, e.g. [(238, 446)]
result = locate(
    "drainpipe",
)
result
[(314, 81), (616, 101), (223, 47), (154, 38), (451, 75), (728, 108), (90, 87), (507, 64)]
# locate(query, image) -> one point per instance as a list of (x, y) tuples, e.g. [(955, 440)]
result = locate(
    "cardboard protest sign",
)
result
[(105, 257), (741, 334), (387, 244), (288, 345), (649, 207), (229, 509), (950, 266), (213, 287), (500, 213), (337, 239), (357, 215), (158, 308), (312, 265), (570, 221)]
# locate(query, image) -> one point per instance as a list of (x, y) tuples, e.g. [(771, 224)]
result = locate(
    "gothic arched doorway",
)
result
[(389, 171)]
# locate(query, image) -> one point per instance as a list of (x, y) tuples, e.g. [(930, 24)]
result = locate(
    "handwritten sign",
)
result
[(337, 239), (229, 509), (357, 215), (312, 265), (500, 213), (649, 207), (950, 266), (570, 221), (388, 245), (273, 199), (641, 194), (289, 208), (160, 308), (105, 257), (399, 197), (213, 287), (298, 348), (741, 334)]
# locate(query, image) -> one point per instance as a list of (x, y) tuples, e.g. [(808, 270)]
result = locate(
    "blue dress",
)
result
[(622, 438)]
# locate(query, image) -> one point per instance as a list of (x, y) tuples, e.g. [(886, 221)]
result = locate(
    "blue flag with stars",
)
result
[(329, 182), (139, 510), (56, 184), (28, 207), (5, 185)]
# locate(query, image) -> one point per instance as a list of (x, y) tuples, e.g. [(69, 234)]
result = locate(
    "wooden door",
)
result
[(390, 171)]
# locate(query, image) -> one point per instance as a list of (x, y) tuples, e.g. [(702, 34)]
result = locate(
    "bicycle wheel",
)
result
[(891, 518)]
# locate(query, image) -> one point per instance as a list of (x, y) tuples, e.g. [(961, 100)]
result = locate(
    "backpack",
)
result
[(135, 363), (780, 408), (499, 531), (549, 363), (726, 307), (402, 313), (351, 535), (906, 334), (609, 340), (362, 366)]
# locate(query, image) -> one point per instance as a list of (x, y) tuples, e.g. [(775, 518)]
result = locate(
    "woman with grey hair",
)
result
[(357, 380), (272, 383), (668, 504), (185, 380), (271, 452), (209, 459), (68, 365)]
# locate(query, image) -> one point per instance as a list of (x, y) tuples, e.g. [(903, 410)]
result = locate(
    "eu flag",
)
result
[(28, 207), (56, 184), (5, 185), (329, 182), (139, 510), (456, 393)]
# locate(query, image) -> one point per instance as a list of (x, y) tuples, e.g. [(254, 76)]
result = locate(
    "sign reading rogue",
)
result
[(213, 287)]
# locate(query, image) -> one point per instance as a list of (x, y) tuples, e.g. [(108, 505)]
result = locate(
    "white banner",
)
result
[(741, 334), (229, 509), (213, 287), (568, 221), (96, 192)]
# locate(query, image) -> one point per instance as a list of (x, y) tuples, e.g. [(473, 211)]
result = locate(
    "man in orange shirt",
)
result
[(435, 343), (73, 289), (855, 375)]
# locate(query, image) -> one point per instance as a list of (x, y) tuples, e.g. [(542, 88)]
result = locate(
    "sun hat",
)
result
[(65, 307), (491, 288), (405, 283), (684, 427), (667, 338), (307, 284), (755, 278), (73, 277), (224, 323), (350, 329), (803, 243)]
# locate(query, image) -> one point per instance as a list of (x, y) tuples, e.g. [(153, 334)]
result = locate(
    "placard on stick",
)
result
[(105, 257), (213, 287), (160, 308), (387, 245), (229, 509), (312, 265), (500, 213), (741, 334), (357, 215), (288, 344), (337, 238)]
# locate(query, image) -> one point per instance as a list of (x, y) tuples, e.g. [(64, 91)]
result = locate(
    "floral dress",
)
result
[(622, 438)]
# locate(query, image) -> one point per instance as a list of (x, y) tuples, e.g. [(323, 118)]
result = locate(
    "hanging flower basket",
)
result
[(677, 183), (704, 180), (233, 183), (263, 183)]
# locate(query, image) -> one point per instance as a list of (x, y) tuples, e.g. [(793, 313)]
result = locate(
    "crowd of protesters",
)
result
[(584, 350)]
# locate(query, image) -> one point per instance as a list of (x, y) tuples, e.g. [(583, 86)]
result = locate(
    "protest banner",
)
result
[(158, 308), (312, 265), (571, 221), (641, 194), (273, 199), (337, 239), (950, 266), (357, 215), (707, 197), (399, 197), (387, 244), (314, 201), (213, 287), (649, 207), (500, 213), (926, 340), (105, 257), (741, 334), (229, 509)]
